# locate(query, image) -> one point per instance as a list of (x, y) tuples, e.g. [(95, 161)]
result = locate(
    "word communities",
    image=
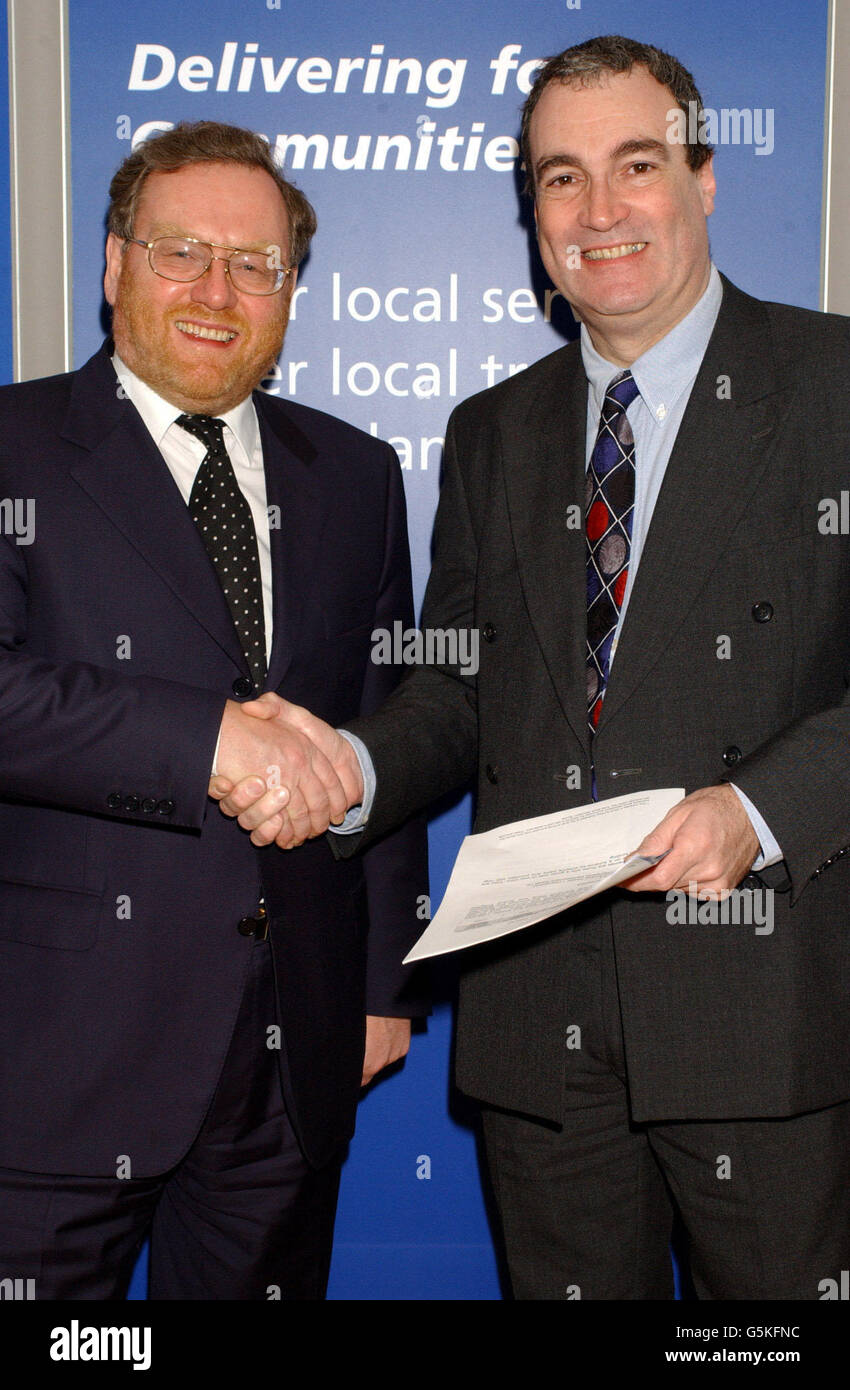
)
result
[(76, 1343), (453, 150)]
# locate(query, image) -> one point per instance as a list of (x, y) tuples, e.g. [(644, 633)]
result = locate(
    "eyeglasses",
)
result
[(185, 258)]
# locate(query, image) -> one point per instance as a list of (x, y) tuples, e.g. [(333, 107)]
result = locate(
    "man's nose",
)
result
[(603, 207), (215, 288)]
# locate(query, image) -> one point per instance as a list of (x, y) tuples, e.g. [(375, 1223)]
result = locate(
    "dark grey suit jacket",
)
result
[(718, 1021)]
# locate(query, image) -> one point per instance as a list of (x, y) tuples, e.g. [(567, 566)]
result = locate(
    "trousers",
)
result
[(587, 1207), (241, 1216)]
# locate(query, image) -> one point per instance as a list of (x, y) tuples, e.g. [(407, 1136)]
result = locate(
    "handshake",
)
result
[(285, 775)]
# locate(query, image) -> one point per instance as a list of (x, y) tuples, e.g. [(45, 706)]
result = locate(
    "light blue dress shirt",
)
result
[(664, 376)]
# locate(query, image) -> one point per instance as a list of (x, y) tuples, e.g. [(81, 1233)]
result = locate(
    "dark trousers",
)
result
[(242, 1216), (587, 1208)]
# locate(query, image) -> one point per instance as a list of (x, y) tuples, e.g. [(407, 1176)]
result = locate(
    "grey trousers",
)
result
[(587, 1208)]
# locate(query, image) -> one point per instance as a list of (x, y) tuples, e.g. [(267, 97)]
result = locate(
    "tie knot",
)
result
[(622, 389), (207, 428)]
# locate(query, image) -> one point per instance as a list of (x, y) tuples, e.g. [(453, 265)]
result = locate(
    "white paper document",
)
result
[(519, 874)]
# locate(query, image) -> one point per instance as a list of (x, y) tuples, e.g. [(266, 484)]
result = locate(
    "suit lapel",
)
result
[(125, 474), (718, 461), (544, 467), (296, 522)]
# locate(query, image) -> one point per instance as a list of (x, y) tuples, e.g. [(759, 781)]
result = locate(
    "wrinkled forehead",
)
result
[(591, 117), (228, 204)]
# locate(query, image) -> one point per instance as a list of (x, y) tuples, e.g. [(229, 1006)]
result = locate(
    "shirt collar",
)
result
[(159, 415), (666, 369)]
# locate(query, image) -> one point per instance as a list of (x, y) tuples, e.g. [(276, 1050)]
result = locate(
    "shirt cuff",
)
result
[(357, 816), (769, 851), (214, 772)]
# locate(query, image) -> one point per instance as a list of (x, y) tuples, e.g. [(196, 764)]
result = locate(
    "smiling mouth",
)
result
[(613, 253), (214, 335)]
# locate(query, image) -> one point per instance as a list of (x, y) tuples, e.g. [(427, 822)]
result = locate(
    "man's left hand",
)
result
[(387, 1039), (711, 843)]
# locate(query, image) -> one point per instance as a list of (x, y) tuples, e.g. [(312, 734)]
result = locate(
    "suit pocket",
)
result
[(64, 919), (772, 532)]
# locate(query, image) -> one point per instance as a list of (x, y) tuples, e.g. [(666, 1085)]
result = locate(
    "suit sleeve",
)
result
[(396, 868), (74, 735), (423, 740), (799, 781), (799, 778)]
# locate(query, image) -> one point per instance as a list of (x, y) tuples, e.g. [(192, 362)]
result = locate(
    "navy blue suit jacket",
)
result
[(121, 884)]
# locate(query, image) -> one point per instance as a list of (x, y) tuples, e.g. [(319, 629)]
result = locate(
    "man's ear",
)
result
[(114, 263), (707, 185)]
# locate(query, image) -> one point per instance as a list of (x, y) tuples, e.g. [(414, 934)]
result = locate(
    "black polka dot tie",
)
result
[(221, 513)]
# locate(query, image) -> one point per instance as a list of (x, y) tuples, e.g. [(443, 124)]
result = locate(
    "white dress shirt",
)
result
[(184, 454)]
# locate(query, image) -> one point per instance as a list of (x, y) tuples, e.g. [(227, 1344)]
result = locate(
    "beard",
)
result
[(199, 377)]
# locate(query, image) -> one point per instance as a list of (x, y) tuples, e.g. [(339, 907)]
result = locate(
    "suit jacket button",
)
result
[(751, 881), (762, 612), (149, 805), (492, 773), (732, 755), (489, 632), (246, 926), (131, 803), (243, 685), (165, 808), (114, 801)]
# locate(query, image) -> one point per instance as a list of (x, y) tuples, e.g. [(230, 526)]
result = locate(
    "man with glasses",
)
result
[(186, 1016)]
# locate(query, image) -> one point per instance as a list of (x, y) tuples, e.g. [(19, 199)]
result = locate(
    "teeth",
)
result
[(218, 335), (612, 253)]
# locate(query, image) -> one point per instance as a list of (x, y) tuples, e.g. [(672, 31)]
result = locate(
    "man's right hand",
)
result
[(293, 777), (283, 773)]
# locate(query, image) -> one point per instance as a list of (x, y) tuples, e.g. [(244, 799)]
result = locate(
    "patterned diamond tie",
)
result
[(609, 507), (221, 513)]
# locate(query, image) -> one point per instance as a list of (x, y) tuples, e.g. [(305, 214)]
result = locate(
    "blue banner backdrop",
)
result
[(399, 121)]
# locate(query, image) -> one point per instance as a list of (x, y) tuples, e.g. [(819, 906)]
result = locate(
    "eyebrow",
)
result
[(171, 229), (640, 145)]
